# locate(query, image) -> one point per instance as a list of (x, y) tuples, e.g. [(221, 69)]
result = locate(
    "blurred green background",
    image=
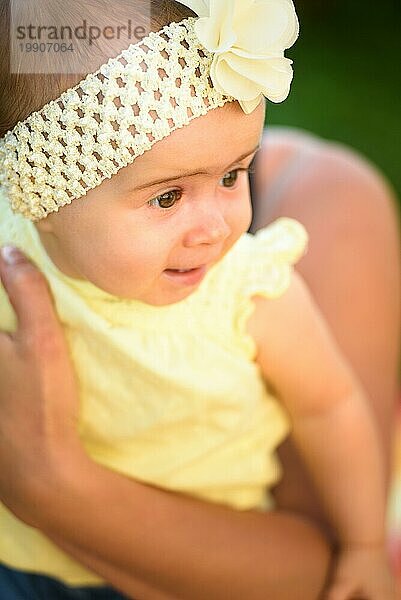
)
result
[(347, 84)]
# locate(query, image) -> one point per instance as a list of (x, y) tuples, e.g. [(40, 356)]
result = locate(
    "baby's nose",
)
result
[(210, 227)]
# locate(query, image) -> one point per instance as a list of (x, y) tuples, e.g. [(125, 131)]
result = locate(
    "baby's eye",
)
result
[(230, 178), (167, 200)]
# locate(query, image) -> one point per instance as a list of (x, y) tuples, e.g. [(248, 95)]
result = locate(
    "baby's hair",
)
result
[(21, 93)]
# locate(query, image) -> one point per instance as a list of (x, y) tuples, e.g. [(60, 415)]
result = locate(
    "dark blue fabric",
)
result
[(19, 585)]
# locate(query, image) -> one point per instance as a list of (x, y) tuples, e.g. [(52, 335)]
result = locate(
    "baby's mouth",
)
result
[(186, 276), (182, 270)]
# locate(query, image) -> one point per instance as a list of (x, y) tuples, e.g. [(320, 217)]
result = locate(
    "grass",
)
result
[(347, 84)]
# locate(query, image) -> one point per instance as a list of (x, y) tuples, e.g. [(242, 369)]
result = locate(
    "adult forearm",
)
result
[(121, 580), (186, 548), (141, 538)]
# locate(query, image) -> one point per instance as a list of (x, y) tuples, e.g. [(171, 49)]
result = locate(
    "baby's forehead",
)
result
[(208, 143)]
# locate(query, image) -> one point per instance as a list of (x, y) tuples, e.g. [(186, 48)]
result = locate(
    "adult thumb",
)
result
[(28, 292)]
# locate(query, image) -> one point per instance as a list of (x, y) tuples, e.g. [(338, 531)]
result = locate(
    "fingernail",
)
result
[(11, 255)]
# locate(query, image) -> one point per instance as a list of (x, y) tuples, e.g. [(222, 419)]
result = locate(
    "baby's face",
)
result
[(131, 235)]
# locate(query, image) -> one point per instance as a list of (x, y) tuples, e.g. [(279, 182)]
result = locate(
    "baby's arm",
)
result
[(332, 424)]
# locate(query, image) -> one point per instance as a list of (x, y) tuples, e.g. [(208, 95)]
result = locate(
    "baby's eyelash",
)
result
[(153, 202), (250, 170)]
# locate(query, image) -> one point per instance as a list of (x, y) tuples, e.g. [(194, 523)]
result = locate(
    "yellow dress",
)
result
[(169, 395)]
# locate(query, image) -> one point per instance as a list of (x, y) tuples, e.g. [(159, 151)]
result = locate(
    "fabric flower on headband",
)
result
[(248, 39)]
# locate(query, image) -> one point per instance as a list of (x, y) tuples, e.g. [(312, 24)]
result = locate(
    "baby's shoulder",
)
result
[(268, 257), (278, 321), (258, 266)]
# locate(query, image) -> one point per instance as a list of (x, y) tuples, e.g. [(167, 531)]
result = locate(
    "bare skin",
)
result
[(289, 556)]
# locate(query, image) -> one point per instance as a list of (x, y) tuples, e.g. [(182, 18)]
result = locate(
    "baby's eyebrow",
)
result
[(189, 173)]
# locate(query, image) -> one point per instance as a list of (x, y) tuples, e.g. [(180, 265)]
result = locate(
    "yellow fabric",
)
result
[(169, 395)]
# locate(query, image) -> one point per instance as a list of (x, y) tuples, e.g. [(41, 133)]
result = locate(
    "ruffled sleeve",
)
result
[(274, 251), (267, 266), (8, 235)]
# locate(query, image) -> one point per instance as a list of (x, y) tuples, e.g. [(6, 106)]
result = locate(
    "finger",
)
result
[(28, 292)]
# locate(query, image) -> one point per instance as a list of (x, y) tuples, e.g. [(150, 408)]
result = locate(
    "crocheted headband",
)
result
[(233, 51)]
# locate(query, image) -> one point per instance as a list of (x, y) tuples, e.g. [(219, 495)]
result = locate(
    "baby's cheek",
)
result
[(243, 215), (124, 270), (239, 226)]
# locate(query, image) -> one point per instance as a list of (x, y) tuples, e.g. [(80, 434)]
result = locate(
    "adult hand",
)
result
[(38, 392)]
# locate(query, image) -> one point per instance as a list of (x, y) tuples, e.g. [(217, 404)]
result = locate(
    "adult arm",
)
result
[(145, 541)]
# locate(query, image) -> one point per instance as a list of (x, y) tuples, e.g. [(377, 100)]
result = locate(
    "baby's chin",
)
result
[(162, 290), (162, 297)]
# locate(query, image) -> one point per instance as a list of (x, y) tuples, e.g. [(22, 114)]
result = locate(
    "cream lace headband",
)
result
[(234, 51)]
